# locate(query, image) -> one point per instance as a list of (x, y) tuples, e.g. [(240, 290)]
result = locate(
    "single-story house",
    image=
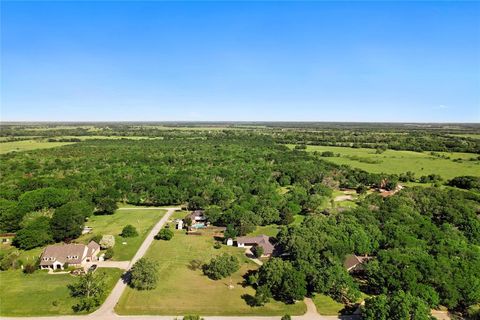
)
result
[(261, 241), (199, 220), (197, 215), (354, 263), (76, 255)]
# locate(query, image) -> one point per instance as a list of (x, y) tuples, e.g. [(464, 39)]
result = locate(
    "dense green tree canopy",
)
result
[(221, 266)]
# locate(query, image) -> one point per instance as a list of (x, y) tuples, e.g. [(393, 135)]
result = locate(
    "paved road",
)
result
[(108, 264)]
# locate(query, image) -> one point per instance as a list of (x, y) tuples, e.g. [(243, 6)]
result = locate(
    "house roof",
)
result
[(196, 215), (261, 240), (72, 253), (352, 261), (92, 247)]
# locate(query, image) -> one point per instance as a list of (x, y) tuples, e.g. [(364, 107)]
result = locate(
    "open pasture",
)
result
[(182, 290), (28, 145), (391, 161)]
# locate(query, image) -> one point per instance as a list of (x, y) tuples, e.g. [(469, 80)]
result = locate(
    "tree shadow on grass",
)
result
[(249, 300), (245, 283), (126, 277)]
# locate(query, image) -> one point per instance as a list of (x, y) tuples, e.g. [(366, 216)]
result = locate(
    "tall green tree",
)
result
[(68, 220), (144, 274), (89, 288)]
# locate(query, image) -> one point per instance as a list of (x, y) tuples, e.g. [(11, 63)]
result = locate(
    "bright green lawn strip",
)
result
[(142, 220), (270, 230), (183, 291), (181, 214), (326, 306), (402, 161), (298, 219), (42, 294), (466, 135)]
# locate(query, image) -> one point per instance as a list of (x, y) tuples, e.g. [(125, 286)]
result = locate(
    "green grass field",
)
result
[(27, 256), (402, 161), (42, 294), (28, 145), (326, 306), (270, 230), (34, 144), (143, 220), (183, 291)]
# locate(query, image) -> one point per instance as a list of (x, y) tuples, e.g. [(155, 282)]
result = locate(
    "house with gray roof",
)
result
[(261, 241), (73, 254)]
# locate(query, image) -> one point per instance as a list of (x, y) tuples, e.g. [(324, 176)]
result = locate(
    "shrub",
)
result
[(29, 268), (192, 317), (9, 261), (262, 295), (129, 231), (96, 238), (107, 241), (327, 154), (109, 253), (257, 251), (286, 317), (221, 266), (195, 264), (217, 245), (164, 234)]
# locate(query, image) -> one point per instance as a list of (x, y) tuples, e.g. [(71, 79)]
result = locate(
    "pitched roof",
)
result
[(92, 247), (197, 215), (261, 240), (352, 261), (71, 253)]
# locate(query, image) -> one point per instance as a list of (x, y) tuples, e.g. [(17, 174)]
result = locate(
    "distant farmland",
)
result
[(391, 161)]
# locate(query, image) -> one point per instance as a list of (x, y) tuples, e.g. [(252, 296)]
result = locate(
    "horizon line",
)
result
[(229, 121)]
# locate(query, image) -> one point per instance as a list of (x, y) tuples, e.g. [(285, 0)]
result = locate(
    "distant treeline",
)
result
[(418, 137)]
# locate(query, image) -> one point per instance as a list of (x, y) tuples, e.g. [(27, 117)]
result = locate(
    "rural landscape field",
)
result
[(239, 160), (319, 206)]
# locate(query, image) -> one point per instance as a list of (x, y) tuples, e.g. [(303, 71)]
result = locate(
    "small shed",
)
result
[(179, 224)]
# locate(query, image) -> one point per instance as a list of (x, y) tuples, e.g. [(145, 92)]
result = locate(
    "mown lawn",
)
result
[(421, 163), (270, 230), (42, 294), (142, 219), (326, 306), (182, 290)]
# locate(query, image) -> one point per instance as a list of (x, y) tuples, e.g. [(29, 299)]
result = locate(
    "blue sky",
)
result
[(249, 61)]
